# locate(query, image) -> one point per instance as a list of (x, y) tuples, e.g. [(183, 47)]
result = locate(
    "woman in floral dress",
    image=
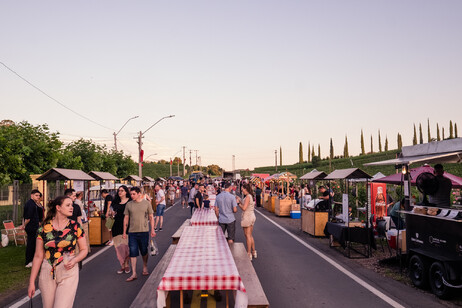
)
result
[(55, 256)]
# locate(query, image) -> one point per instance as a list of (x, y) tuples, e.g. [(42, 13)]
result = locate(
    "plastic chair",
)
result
[(15, 232)]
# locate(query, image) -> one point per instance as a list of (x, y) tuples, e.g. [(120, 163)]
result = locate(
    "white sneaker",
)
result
[(29, 265)]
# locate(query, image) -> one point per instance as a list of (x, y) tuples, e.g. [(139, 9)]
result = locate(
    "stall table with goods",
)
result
[(313, 221), (204, 217), (202, 261)]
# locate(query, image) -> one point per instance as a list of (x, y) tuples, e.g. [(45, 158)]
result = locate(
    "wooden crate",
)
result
[(99, 234), (314, 223), (273, 203), (282, 207)]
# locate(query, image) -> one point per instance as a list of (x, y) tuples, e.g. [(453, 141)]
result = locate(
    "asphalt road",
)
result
[(295, 270)]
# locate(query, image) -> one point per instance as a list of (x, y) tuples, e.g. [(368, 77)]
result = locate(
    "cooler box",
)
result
[(392, 237), (295, 214)]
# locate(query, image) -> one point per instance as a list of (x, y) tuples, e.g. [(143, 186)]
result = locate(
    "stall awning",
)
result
[(446, 151), (351, 173), (59, 174), (314, 175), (133, 178), (415, 172), (102, 176), (148, 179)]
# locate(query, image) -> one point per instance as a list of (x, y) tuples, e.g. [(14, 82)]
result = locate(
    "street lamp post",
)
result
[(115, 134), (140, 144)]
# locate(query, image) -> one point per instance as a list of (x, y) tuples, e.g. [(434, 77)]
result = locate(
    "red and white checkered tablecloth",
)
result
[(202, 261), (204, 217)]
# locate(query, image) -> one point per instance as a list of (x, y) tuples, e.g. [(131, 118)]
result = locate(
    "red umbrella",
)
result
[(415, 172)]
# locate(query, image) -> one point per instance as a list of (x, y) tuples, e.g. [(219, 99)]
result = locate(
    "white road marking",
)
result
[(358, 280)]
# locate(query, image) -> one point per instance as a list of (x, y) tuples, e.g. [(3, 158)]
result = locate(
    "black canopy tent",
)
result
[(350, 234)]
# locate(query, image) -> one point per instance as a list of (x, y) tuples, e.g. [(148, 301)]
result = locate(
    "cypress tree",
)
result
[(345, 148), (280, 156), (300, 154), (451, 130), (372, 145), (414, 139), (455, 130), (312, 152), (309, 152), (380, 143), (331, 149), (438, 138), (429, 137), (400, 142), (363, 151), (420, 134), (386, 143), (319, 150)]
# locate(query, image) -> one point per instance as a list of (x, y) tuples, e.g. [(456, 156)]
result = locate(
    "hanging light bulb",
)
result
[(404, 170)]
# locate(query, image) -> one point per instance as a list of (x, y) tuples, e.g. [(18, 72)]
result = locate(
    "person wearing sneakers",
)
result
[(137, 212), (107, 210), (160, 202)]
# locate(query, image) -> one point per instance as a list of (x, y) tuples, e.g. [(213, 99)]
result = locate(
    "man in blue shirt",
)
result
[(225, 207)]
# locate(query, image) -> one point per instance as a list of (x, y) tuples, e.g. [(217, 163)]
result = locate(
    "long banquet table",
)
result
[(202, 261), (204, 217)]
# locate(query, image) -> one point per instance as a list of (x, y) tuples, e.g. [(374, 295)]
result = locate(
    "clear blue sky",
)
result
[(242, 77)]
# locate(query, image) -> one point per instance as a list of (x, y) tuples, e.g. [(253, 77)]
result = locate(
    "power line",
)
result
[(53, 99)]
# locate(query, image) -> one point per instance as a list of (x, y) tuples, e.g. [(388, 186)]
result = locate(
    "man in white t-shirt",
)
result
[(160, 202)]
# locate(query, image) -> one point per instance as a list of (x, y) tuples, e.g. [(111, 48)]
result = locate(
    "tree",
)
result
[(372, 145), (90, 153), (280, 156), (363, 151), (309, 153), (451, 130), (319, 151), (315, 160), (331, 150), (438, 138), (455, 130), (400, 142), (312, 151), (26, 150), (380, 143), (420, 134), (300, 153), (214, 170), (414, 139), (386, 143), (429, 136), (345, 148), (177, 160)]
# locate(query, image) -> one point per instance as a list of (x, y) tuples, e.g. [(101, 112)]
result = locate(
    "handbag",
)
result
[(109, 223)]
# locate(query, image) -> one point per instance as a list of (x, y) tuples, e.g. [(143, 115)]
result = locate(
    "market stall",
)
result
[(343, 230), (433, 234), (283, 206), (313, 221), (133, 180), (99, 234)]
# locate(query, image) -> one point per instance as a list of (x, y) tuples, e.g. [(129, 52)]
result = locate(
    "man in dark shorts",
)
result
[(184, 194), (225, 207), (138, 212)]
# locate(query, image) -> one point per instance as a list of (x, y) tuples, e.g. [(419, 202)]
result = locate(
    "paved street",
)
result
[(295, 271)]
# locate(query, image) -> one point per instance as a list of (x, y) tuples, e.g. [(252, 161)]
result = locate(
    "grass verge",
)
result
[(14, 275)]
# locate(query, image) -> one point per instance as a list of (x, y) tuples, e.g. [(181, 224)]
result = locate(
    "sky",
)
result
[(243, 78)]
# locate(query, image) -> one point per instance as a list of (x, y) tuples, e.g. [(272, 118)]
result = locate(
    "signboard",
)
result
[(78, 186), (378, 199), (345, 208)]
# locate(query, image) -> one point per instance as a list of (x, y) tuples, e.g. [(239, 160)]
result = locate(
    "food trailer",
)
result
[(433, 235)]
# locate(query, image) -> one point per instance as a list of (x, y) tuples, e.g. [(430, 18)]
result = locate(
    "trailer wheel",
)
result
[(418, 269), (437, 274)]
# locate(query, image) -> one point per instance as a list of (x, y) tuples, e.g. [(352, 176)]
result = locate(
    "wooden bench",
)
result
[(255, 293), (176, 236), (147, 297)]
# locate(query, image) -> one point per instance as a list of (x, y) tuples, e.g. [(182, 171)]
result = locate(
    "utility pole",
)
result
[(171, 166), (196, 156), (276, 159), (234, 161), (178, 166), (115, 134), (140, 154), (190, 162), (184, 162)]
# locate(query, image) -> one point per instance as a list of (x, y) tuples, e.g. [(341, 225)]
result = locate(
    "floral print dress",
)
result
[(58, 242)]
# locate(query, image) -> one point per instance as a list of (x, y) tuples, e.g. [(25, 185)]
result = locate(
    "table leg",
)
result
[(181, 298), (227, 299)]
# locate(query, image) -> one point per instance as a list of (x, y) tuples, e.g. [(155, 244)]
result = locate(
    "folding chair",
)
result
[(15, 232)]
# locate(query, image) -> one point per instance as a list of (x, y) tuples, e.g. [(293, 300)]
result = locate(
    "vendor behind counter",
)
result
[(442, 197)]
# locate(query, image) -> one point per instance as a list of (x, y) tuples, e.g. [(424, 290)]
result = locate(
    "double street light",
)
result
[(140, 143), (115, 134)]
